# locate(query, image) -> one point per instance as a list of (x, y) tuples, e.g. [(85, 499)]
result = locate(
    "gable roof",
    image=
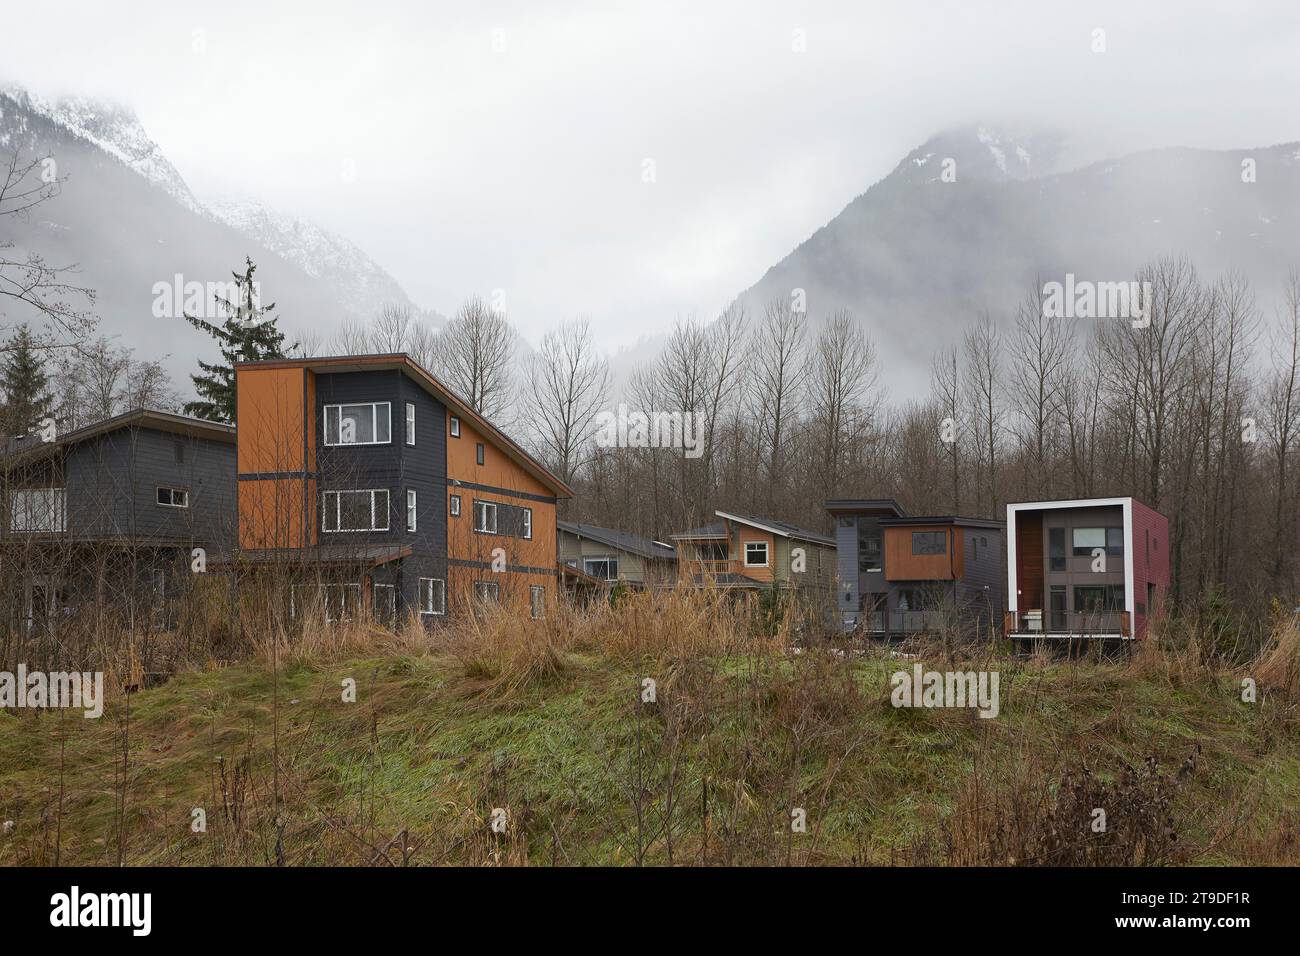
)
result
[(421, 376), (782, 528), (33, 447), (622, 540)]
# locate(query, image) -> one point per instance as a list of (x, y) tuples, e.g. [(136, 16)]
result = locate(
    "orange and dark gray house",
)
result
[(1094, 568), (399, 496), (746, 551)]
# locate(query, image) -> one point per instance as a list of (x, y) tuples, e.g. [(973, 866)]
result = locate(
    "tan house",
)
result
[(745, 551), (610, 556)]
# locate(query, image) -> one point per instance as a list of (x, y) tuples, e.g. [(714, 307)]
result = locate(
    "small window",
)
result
[(433, 596), (1056, 549), (410, 509), (455, 506), (755, 554), (527, 521), (485, 517), (410, 423), (173, 497), (478, 452), (455, 427), (536, 600), (489, 592), (178, 449), (929, 542)]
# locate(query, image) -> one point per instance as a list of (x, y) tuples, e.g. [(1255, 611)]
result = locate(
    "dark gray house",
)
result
[(902, 574), (110, 514)]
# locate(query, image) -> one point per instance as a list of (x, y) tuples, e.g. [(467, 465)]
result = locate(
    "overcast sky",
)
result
[(503, 146)]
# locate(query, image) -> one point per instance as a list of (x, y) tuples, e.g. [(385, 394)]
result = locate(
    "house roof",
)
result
[(622, 540), (865, 506), (716, 530), (33, 447), (782, 528), (418, 374), (959, 520)]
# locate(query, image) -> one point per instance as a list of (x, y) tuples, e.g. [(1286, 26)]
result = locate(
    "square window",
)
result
[(489, 592), (433, 596), (755, 554)]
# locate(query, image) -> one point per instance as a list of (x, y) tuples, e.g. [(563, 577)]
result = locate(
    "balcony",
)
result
[(904, 622), (1068, 624)]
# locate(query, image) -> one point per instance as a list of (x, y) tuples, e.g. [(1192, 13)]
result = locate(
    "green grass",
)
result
[(423, 750)]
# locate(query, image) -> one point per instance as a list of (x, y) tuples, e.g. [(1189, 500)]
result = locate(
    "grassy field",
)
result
[(543, 728)]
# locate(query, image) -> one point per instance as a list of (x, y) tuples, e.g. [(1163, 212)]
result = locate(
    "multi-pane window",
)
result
[(365, 510), (1086, 540), (455, 506), (362, 424), (755, 554), (487, 591), (869, 551), (929, 542), (536, 599), (173, 497), (410, 423), (511, 521), (433, 596), (37, 510), (603, 569), (485, 517), (410, 509)]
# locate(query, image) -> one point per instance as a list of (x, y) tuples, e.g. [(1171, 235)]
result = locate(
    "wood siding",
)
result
[(902, 565)]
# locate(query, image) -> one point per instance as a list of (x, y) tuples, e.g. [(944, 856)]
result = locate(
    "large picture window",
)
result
[(365, 510), (369, 423), (603, 569), (1085, 540), (929, 542)]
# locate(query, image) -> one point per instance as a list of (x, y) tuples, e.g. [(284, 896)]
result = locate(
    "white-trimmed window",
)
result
[(410, 423), (410, 509), (455, 506), (433, 596), (366, 423), (485, 517), (755, 554), (37, 510), (455, 427), (173, 498), (603, 569), (536, 599), (526, 522), (364, 510), (489, 592)]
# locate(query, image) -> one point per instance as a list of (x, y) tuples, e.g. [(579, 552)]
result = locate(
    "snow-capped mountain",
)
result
[(342, 265)]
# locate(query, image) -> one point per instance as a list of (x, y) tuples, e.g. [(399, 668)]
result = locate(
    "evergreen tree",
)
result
[(25, 385), (247, 334)]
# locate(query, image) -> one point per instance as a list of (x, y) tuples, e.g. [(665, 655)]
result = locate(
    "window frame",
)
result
[(527, 523), (374, 423), (453, 506), (481, 588), (455, 426), (338, 509), (766, 554), (410, 424), (941, 535), (607, 560), (430, 607), (536, 600), (480, 455), (495, 517), (159, 489), (412, 509)]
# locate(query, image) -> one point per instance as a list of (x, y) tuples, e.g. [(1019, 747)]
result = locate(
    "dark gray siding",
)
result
[(983, 589), (112, 484), (395, 467)]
